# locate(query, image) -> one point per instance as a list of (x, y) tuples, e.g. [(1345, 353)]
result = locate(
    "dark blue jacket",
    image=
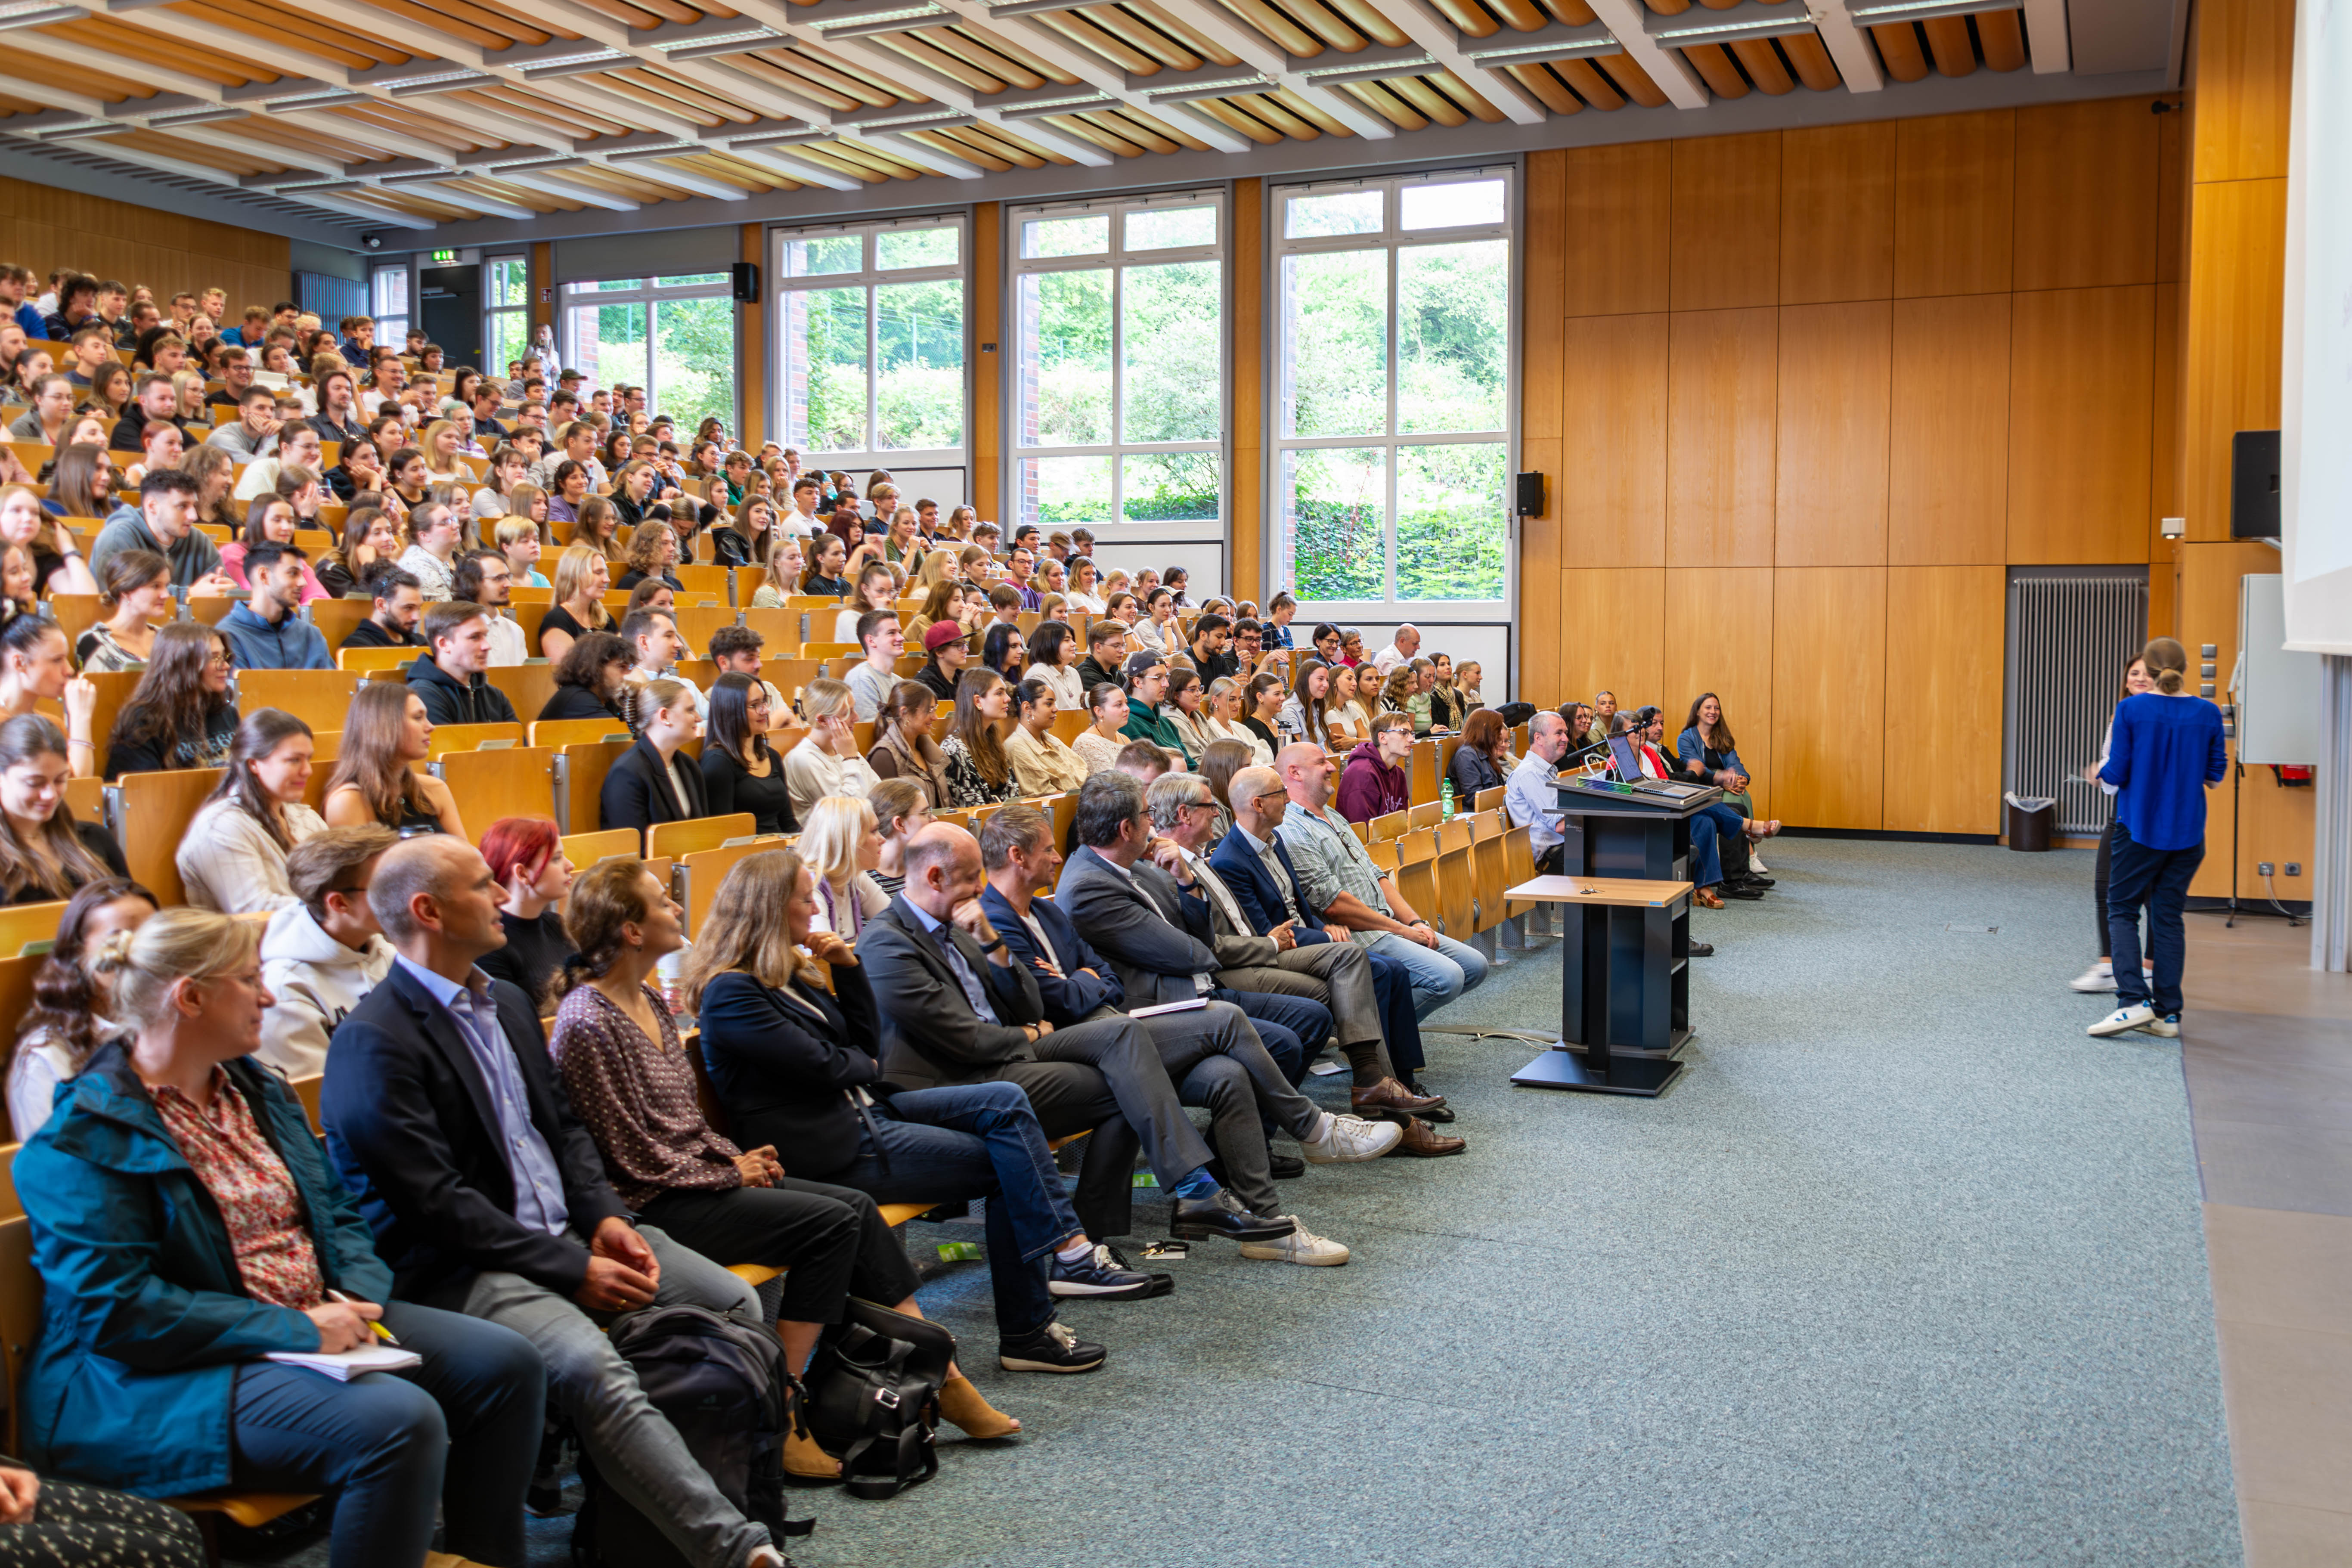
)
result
[(2162, 753), (1070, 995), (783, 1075), (144, 1316), (292, 644), (1260, 899)]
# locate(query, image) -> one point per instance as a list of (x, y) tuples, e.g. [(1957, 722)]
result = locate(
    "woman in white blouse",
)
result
[(232, 855), (1157, 629), (1348, 723), (827, 763), (1183, 709), (1043, 762), (1099, 744), (1084, 581), (1054, 652)]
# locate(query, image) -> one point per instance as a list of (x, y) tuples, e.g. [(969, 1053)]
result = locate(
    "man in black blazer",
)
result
[(957, 1009), (446, 1120)]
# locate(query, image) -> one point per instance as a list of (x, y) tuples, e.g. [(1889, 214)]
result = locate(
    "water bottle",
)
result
[(1445, 800)]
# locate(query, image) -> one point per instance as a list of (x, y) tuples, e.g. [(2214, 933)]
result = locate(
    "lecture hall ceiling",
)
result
[(411, 114)]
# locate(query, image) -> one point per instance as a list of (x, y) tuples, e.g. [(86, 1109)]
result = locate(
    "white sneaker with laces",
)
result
[(2099, 979), (1348, 1139), (2166, 1027), (2123, 1020), (1301, 1246)]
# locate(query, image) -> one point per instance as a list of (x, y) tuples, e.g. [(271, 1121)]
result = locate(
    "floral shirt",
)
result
[(637, 1098), (255, 1193)]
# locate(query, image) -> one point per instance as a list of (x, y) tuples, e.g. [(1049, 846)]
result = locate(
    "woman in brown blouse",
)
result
[(634, 1088)]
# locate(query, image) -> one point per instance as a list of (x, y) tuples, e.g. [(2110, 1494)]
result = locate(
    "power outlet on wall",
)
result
[(2264, 868), (2295, 868)]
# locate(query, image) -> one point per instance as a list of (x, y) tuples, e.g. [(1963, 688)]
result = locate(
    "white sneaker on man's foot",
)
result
[(2164, 1025), (2099, 979), (1301, 1246), (1351, 1138), (2123, 1020)]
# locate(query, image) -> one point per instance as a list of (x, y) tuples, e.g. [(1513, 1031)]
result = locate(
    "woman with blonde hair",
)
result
[(1346, 716), (653, 551), (877, 589), (785, 559), (188, 1226), (386, 733), (840, 841), (599, 528), (582, 579), (439, 447), (828, 761), (979, 773), (938, 567), (58, 566), (522, 538)]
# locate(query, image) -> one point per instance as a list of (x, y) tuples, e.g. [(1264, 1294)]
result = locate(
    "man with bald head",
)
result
[(957, 1009), (1352, 894), (1400, 649), (444, 1117), (1531, 794)]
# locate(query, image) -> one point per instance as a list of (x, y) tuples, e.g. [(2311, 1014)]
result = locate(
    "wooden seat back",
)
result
[(320, 698), (151, 814), (672, 839), (515, 781)]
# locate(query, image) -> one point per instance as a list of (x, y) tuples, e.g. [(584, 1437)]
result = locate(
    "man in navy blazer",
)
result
[(487, 1197), (1241, 859)]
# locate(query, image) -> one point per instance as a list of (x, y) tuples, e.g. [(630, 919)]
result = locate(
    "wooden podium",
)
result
[(1625, 984)]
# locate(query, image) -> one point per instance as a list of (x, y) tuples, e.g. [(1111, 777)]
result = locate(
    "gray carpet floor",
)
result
[(1905, 1270)]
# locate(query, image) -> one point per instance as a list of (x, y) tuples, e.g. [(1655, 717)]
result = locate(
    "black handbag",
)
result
[(873, 1398)]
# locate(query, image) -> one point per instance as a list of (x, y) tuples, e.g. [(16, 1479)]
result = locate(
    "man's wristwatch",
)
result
[(992, 946)]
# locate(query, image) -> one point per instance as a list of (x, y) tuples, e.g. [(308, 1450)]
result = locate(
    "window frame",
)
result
[(493, 366), (393, 330), (591, 291), (869, 275), (1117, 257), (1392, 238)]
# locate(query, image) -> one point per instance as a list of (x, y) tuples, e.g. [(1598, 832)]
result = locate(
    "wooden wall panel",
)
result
[(45, 227), (1954, 195), (2245, 61), (1837, 214), (1945, 637), (2236, 305), (1948, 445), (1727, 221), (1719, 639), (1723, 401), (1246, 483), (1612, 623), (2166, 474), (1540, 634), (2081, 421), (989, 364), (2087, 176), (1831, 472), (1612, 473), (1616, 226), (750, 331), (1828, 695)]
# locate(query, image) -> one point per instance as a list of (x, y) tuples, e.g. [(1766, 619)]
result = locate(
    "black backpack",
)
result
[(873, 1398), (725, 1387)]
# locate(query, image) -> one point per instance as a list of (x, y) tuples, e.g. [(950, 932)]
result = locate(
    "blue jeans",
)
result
[(2159, 879), (977, 1140), (1438, 974), (381, 1440), (1392, 988)]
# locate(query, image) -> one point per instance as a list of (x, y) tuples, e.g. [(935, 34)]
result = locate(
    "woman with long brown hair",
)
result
[(178, 715), (903, 747), (232, 855), (369, 537), (110, 390), (939, 602), (386, 733), (979, 773), (67, 1020), (599, 528), (653, 552), (45, 853), (215, 472), (83, 485), (135, 591)]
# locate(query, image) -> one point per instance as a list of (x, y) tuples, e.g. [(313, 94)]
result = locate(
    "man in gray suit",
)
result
[(956, 1009)]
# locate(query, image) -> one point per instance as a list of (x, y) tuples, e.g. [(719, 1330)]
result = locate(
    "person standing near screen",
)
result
[(2165, 751)]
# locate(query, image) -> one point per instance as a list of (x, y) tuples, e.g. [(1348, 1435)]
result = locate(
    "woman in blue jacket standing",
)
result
[(2165, 751), (186, 1225)]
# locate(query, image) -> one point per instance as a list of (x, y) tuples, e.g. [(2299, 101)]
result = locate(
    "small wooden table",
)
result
[(1624, 989)]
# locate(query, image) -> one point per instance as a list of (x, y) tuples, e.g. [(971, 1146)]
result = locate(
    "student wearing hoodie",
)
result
[(1374, 784), (265, 632), (449, 678), (323, 953)]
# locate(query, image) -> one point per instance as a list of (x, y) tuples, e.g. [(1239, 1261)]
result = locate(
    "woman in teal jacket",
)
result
[(186, 1225)]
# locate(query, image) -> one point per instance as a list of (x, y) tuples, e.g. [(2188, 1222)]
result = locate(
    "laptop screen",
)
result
[(1620, 752)]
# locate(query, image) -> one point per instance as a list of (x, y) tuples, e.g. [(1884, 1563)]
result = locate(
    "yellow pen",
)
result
[(381, 1332)]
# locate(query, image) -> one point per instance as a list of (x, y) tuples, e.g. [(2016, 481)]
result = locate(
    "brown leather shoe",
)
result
[(1707, 899), (1389, 1095), (1423, 1142)]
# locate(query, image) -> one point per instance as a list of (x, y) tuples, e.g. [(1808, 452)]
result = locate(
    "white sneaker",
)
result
[(1349, 1139), (1756, 863), (2124, 1019), (2099, 979), (2167, 1027), (1301, 1246)]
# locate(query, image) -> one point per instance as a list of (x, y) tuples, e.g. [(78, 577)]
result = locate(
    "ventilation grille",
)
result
[(2070, 636)]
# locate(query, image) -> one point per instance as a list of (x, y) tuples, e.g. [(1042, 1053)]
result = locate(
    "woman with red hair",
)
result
[(526, 855)]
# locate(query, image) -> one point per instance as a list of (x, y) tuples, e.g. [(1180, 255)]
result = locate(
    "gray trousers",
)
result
[(1338, 974), (637, 1450), (1217, 1062)]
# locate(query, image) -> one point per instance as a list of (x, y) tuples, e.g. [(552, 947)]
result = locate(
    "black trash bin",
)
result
[(2028, 822)]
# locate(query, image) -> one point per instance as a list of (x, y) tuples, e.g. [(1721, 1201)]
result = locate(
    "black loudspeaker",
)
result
[(746, 277), (2254, 484), (1530, 496)]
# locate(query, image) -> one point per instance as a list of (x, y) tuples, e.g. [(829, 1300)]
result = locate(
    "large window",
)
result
[(1392, 428), (505, 313), (388, 303), (673, 336), (1120, 414), (870, 341)]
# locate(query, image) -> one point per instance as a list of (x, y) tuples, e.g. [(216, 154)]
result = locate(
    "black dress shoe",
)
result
[(1748, 891), (1284, 1167), (1702, 949), (1053, 1348), (1754, 881), (1196, 1218)]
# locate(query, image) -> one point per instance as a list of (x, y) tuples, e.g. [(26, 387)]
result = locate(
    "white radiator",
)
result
[(2071, 632)]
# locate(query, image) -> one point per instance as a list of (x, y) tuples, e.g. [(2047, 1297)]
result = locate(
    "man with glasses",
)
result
[(323, 953)]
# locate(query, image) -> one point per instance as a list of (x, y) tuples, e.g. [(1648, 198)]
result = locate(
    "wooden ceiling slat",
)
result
[(768, 71), (295, 23), (1899, 50), (1199, 44), (481, 37), (1480, 106), (1004, 68), (1377, 97), (941, 142), (1427, 100), (531, 106), (996, 43), (1949, 41), (923, 52), (526, 196), (301, 138), (990, 140), (1631, 78), (131, 44), (1324, 22), (499, 23), (1809, 57), (1080, 126), (1548, 89), (1586, 82), (1129, 127), (1669, 8), (756, 176), (1314, 114), (198, 152), (1468, 15), (1137, 32), (1519, 16), (1716, 70), (656, 92), (1088, 34), (1278, 28), (77, 75), (1281, 117), (2004, 41), (305, 39), (845, 157), (1233, 119), (1765, 69), (655, 167), (523, 16), (373, 115), (1575, 12), (891, 91), (1154, 123)]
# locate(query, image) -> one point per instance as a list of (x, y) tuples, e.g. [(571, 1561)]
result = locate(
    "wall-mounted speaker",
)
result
[(2254, 484), (1529, 502), (745, 275)]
